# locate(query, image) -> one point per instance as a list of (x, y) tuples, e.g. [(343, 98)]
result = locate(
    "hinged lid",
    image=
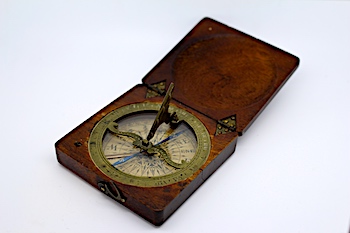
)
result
[(223, 73)]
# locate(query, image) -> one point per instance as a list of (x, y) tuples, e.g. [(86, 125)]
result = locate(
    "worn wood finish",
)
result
[(155, 204), (218, 72)]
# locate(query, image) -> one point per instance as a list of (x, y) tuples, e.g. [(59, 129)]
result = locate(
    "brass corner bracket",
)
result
[(156, 89), (226, 125)]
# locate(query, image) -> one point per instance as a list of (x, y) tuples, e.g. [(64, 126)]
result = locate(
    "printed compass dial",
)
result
[(120, 148)]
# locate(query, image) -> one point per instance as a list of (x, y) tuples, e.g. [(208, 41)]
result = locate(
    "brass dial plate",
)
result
[(116, 156)]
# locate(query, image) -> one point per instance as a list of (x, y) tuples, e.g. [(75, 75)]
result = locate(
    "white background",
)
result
[(62, 61)]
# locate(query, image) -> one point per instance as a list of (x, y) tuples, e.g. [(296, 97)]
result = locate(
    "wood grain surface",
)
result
[(218, 72), (155, 204), (221, 72)]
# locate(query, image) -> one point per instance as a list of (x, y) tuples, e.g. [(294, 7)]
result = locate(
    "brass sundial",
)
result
[(151, 148), (144, 144)]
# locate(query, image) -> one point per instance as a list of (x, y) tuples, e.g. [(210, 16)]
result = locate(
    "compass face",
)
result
[(179, 143), (176, 152)]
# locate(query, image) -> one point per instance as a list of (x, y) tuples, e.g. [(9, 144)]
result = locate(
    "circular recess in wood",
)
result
[(223, 72)]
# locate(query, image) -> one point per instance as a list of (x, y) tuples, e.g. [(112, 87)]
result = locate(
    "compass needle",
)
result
[(171, 137)]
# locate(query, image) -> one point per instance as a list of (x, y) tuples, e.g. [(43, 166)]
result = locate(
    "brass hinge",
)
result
[(156, 89), (226, 125)]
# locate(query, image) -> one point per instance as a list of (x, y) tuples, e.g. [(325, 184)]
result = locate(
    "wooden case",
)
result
[(223, 77)]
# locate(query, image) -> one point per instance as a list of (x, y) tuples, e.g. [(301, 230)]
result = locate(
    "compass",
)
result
[(152, 147), (134, 146)]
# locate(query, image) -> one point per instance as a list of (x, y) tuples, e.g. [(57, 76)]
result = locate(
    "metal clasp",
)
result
[(110, 189)]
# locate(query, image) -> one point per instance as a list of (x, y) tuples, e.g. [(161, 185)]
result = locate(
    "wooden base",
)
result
[(155, 204), (220, 74)]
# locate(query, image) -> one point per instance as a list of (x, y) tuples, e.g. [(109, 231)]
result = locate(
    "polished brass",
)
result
[(183, 171)]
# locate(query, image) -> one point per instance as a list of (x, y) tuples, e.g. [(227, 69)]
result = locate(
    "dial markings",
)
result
[(189, 142), (119, 149)]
